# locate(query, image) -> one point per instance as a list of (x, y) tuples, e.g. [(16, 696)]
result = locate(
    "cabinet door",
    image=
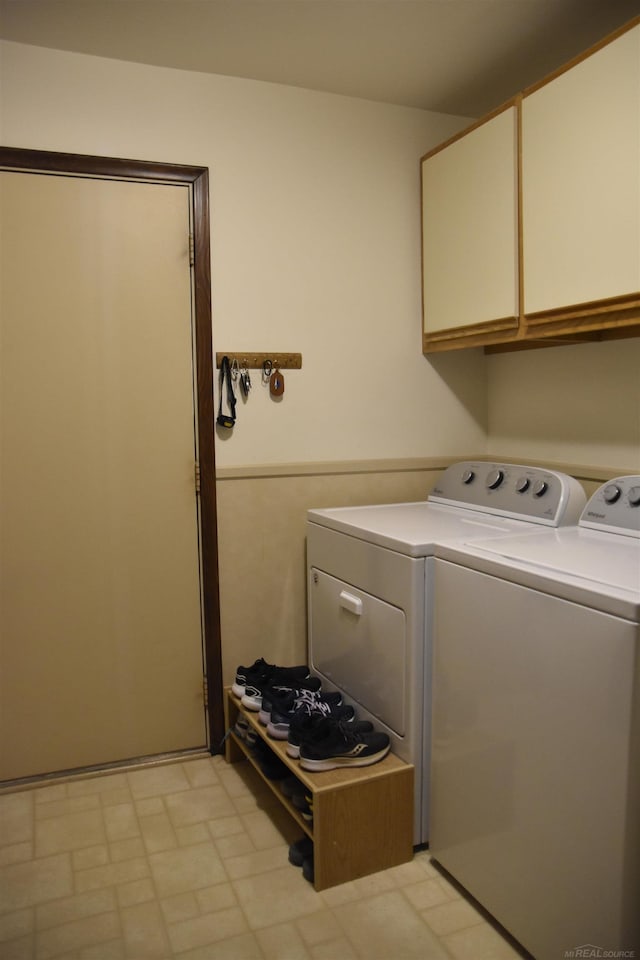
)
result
[(470, 231), (581, 182)]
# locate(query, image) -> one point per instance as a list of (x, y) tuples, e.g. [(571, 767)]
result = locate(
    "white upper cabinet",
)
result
[(470, 231), (581, 182)]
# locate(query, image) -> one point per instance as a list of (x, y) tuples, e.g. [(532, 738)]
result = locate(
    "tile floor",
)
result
[(189, 860)]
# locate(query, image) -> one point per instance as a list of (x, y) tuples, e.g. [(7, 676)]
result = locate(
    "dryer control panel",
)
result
[(615, 507), (511, 490)]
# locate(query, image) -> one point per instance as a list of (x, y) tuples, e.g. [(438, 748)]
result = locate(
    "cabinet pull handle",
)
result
[(351, 603)]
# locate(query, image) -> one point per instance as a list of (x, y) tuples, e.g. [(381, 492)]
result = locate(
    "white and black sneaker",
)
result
[(302, 727), (260, 676), (242, 728), (305, 702), (334, 744), (239, 684), (279, 695)]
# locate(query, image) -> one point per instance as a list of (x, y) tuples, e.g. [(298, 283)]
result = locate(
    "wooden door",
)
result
[(101, 613)]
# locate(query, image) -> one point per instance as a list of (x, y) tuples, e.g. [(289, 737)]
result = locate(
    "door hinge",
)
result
[(205, 691), (197, 477), (192, 250)]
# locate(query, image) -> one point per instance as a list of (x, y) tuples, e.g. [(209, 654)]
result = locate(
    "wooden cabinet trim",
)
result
[(603, 314), (559, 338), (474, 329), (481, 339)]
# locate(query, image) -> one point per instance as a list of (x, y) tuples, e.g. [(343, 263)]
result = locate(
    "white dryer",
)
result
[(535, 788), (370, 573)]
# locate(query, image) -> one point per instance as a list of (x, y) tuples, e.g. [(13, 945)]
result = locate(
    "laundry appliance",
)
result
[(370, 591), (535, 789)]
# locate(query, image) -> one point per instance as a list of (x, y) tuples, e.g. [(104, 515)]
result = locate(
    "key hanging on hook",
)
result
[(245, 379), (276, 383)]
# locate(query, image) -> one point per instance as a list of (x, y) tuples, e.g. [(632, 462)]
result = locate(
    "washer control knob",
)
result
[(611, 493), (494, 479), (468, 476), (540, 487), (634, 496), (522, 484)]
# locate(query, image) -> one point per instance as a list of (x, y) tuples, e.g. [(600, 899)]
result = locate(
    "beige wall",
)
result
[(572, 404)]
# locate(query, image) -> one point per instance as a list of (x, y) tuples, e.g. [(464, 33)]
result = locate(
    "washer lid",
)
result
[(414, 528), (599, 569), (606, 558)]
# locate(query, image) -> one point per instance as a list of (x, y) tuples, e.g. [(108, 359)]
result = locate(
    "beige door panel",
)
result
[(101, 641)]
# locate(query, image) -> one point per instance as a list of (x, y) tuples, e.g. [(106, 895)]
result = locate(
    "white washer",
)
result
[(370, 571), (535, 786)]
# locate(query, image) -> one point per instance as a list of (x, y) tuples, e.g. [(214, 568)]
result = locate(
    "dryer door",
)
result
[(359, 643)]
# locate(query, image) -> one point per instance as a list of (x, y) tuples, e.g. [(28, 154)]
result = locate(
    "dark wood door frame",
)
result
[(38, 161)]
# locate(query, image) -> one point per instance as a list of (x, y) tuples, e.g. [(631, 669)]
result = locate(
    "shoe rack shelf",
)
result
[(362, 816)]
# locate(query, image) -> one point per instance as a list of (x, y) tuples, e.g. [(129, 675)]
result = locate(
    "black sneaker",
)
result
[(303, 802), (306, 702), (310, 698), (241, 728), (240, 682), (273, 768), (279, 693), (304, 724), (307, 869), (334, 745), (260, 751), (259, 680), (300, 851), (291, 785)]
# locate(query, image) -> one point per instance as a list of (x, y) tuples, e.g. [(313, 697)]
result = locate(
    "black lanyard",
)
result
[(226, 419)]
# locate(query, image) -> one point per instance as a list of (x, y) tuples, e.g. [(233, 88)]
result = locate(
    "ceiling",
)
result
[(461, 57)]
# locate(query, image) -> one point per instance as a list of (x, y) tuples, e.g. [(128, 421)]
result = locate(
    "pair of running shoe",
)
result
[(321, 731)]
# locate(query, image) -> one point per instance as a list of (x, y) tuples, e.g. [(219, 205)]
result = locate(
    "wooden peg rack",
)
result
[(254, 361)]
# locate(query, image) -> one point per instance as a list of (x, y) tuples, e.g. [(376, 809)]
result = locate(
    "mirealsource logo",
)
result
[(591, 951)]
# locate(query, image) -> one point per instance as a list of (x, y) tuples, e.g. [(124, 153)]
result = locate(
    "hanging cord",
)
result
[(226, 419), (221, 745)]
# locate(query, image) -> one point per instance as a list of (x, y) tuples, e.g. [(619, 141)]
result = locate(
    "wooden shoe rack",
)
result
[(362, 817)]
